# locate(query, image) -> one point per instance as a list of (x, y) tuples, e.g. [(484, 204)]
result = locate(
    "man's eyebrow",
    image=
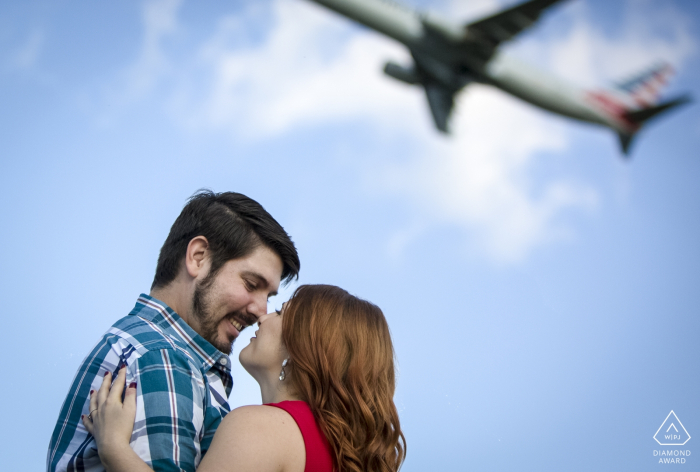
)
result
[(260, 279)]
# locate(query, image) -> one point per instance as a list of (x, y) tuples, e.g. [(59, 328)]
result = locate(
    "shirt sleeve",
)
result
[(169, 411)]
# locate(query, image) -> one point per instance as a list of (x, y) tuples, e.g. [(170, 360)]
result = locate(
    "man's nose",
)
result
[(258, 307)]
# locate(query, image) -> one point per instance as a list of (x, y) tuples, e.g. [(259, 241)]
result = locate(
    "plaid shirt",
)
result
[(183, 386)]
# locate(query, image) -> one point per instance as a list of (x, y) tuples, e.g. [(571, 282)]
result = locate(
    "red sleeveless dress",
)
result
[(318, 451)]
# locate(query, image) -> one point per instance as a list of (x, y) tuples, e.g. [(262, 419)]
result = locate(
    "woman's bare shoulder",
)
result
[(260, 438), (263, 413)]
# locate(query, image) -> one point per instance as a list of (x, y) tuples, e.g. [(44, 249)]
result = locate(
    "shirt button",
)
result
[(223, 361)]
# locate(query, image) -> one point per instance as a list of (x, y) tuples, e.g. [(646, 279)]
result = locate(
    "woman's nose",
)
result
[(264, 317)]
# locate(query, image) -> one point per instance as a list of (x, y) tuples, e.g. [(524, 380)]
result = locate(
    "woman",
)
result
[(325, 365)]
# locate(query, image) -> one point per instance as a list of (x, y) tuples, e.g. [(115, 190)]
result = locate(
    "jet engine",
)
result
[(404, 74)]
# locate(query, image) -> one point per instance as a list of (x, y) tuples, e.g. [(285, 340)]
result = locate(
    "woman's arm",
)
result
[(111, 423), (250, 439)]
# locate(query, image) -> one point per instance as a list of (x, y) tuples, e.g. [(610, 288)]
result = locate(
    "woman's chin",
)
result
[(243, 356)]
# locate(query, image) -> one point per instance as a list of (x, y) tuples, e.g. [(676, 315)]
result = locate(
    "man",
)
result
[(224, 256)]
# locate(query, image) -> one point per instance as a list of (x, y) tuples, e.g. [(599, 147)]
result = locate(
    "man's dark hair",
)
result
[(234, 226)]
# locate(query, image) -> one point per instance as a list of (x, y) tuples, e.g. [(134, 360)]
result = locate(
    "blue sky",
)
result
[(541, 291)]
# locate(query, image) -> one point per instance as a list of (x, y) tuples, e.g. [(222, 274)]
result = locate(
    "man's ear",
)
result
[(197, 257)]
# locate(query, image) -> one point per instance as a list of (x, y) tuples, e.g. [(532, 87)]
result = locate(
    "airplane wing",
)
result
[(487, 34), (443, 78)]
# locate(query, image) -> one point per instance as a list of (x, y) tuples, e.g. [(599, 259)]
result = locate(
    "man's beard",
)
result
[(208, 325)]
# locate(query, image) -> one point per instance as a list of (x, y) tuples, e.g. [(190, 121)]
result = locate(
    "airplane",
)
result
[(448, 56)]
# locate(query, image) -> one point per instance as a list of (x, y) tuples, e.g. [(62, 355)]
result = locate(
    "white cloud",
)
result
[(479, 179), (308, 67), (145, 77), (649, 32), (159, 22)]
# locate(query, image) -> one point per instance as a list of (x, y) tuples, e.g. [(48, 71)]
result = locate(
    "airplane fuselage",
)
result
[(542, 90), (438, 44)]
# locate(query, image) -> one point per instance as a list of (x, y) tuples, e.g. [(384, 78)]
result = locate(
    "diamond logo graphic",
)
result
[(672, 432)]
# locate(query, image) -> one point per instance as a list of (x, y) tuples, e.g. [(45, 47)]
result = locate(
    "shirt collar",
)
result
[(158, 312)]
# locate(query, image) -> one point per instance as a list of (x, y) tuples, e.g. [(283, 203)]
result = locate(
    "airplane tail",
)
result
[(641, 94), (644, 89), (640, 117)]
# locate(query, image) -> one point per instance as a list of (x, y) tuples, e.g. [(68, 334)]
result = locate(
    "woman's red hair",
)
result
[(342, 365)]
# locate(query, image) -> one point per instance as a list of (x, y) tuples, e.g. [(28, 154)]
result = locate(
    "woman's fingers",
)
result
[(118, 387), (93, 400), (130, 400), (106, 405), (104, 389), (92, 408), (88, 424), (112, 424)]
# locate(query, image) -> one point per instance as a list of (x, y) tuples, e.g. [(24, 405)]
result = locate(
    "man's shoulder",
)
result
[(144, 335)]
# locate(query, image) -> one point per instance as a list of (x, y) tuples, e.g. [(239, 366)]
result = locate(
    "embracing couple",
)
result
[(153, 393)]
